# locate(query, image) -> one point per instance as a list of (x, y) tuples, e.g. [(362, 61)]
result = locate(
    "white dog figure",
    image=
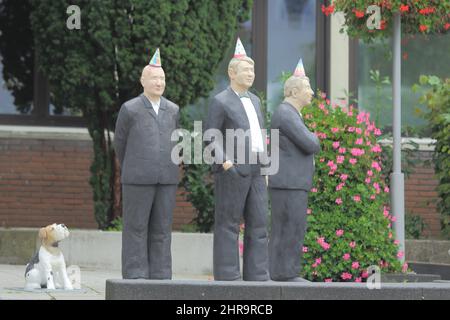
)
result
[(47, 268)]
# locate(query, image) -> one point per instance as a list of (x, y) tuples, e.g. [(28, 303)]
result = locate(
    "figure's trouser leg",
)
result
[(230, 191), (160, 232), (137, 204), (256, 260), (287, 234)]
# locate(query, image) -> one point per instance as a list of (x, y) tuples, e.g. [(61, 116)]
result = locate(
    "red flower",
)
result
[(423, 28), (331, 9), (447, 26), (382, 24), (405, 56), (385, 3), (404, 8), (328, 10), (426, 11), (358, 14)]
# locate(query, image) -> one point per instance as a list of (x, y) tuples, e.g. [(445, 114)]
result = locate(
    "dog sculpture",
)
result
[(47, 268)]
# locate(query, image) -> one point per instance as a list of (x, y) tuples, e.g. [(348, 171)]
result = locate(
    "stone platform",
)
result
[(240, 290)]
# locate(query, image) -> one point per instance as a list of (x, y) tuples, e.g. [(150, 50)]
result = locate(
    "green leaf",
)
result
[(423, 79), (415, 87), (433, 80)]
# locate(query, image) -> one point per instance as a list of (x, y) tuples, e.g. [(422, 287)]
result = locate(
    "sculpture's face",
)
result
[(244, 75), (306, 94), (53, 233), (153, 81)]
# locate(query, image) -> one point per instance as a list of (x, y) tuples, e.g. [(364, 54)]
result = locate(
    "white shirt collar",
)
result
[(157, 103)]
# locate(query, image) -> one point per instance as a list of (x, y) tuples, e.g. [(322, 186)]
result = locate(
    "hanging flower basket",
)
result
[(417, 16)]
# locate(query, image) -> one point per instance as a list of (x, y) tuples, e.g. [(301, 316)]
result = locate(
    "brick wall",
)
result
[(43, 181), (184, 211), (421, 195)]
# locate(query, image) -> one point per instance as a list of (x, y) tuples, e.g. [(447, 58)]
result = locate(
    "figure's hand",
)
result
[(227, 165)]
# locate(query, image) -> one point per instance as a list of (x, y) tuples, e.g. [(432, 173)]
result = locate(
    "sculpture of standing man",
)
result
[(289, 187), (240, 189), (149, 177)]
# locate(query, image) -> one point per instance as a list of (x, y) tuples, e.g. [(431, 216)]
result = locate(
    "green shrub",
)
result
[(116, 225), (349, 223), (414, 226), (199, 185), (189, 228)]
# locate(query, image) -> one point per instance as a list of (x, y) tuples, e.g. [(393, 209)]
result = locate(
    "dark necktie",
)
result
[(244, 95)]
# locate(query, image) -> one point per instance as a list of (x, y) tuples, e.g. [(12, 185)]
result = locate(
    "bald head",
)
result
[(297, 91), (148, 70), (295, 83), (153, 80)]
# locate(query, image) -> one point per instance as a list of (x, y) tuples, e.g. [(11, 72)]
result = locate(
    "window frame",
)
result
[(260, 41), (40, 115)]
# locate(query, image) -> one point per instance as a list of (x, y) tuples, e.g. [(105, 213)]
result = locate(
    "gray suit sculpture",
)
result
[(289, 187), (149, 177), (240, 189)]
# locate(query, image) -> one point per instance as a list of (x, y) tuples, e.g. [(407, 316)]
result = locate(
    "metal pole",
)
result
[(397, 177)]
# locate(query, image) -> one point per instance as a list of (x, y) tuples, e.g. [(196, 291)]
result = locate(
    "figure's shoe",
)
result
[(297, 279), (294, 279), (256, 280), (236, 279)]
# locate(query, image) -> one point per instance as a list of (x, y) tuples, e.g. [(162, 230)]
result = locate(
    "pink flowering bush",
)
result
[(241, 239), (349, 220)]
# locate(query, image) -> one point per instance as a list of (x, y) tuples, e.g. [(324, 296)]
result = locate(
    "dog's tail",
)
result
[(31, 264)]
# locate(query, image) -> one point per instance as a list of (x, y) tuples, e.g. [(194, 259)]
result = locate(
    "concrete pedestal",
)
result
[(240, 290)]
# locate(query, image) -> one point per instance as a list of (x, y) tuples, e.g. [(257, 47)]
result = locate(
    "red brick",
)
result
[(431, 194)]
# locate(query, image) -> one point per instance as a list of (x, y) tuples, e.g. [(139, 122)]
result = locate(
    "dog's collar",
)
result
[(55, 244)]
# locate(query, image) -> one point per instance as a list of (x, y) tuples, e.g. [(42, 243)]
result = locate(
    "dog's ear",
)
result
[(42, 233)]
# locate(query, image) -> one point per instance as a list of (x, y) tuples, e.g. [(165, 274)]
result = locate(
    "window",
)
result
[(421, 54), (25, 97), (15, 96), (291, 36)]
